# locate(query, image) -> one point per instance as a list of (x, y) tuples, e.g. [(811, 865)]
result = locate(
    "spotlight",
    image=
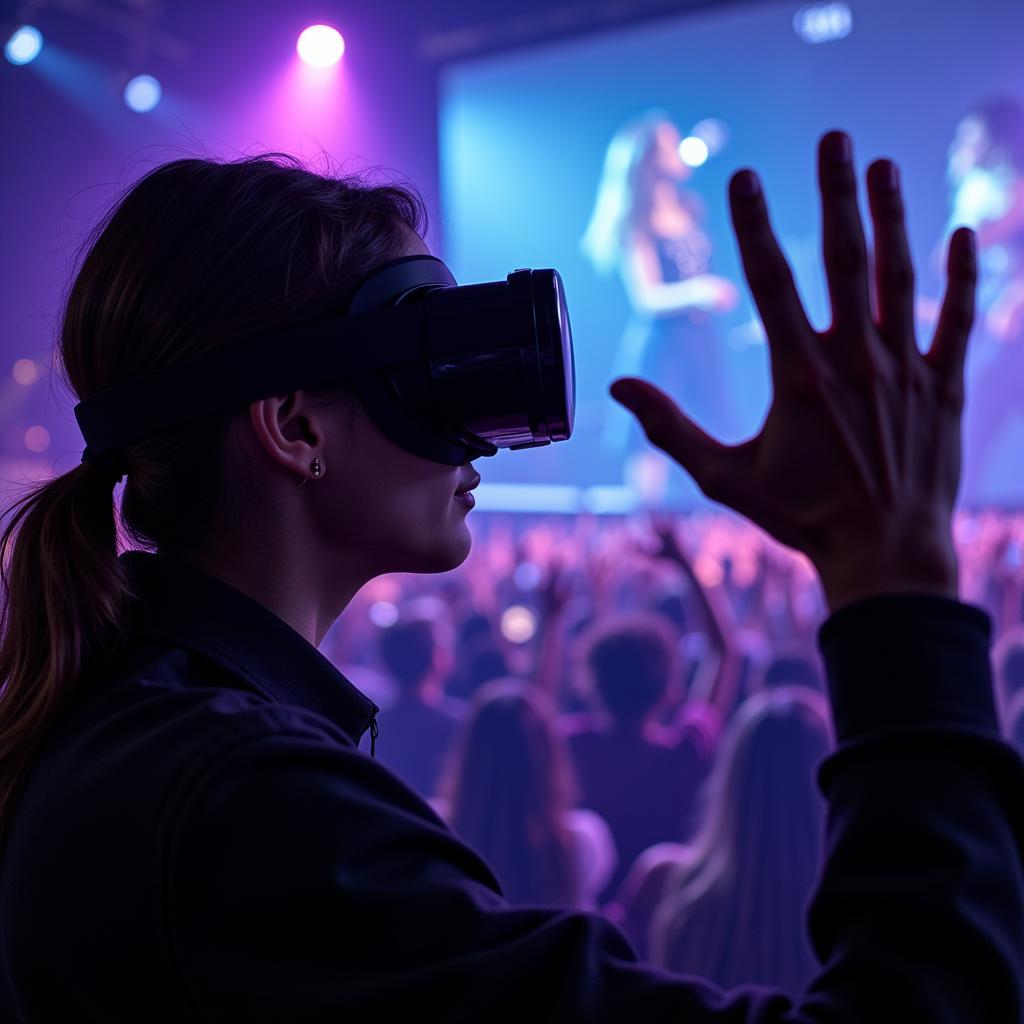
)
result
[(24, 46), (142, 93), (320, 46), (822, 23), (693, 151)]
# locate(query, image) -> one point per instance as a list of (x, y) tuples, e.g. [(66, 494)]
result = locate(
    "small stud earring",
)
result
[(316, 469)]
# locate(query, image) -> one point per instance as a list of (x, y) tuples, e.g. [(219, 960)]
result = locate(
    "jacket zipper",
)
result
[(374, 733)]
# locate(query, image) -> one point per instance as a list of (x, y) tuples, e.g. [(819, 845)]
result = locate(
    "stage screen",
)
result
[(607, 158)]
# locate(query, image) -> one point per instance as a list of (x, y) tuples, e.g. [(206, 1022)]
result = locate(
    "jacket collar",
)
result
[(182, 605)]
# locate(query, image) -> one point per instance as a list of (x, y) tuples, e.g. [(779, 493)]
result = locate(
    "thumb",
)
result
[(667, 427)]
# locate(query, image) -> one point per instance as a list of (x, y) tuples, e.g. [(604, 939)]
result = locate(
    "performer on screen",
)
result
[(649, 229), (986, 177)]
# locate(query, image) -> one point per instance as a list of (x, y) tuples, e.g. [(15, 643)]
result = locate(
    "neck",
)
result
[(299, 586)]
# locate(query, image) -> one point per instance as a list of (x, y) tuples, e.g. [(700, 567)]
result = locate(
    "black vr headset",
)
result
[(448, 372)]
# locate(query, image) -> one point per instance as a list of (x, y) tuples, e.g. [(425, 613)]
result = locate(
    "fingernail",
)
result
[(890, 176), (837, 147), (746, 185)]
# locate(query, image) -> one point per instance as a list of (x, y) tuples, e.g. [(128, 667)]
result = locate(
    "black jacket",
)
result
[(202, 840)]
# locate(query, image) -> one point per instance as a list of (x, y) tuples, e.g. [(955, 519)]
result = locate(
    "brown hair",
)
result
[(508, 784), (629, 663), (733, 912), (196, 254)]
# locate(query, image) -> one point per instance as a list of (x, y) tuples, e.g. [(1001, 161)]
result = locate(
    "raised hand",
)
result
[(858, 462)]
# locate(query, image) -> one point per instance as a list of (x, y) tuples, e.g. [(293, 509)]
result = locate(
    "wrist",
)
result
[(919, 567)]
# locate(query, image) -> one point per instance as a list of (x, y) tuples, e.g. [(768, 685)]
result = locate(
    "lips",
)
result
[(468, 486)]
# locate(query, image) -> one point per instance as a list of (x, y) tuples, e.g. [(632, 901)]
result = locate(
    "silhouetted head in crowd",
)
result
[(417, 650), (792, 669), (508, 784), (630, 666), (735, 912)]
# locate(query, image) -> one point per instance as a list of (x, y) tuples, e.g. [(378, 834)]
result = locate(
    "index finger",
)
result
[(766, 270)]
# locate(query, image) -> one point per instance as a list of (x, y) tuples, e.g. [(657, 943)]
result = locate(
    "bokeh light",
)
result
[(518, 624), (527, 575), (320, 46), (383, 614), (37, 439), (142, 93), (25, 372), (24, 45), (693, 151), (823, 23)]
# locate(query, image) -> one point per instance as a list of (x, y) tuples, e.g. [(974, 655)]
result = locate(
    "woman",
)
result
[(509, 792), (731, 903), (192, 833), (986, 177), (649, 229)]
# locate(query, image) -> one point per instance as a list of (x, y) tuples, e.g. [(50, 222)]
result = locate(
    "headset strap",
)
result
[(314, 355)]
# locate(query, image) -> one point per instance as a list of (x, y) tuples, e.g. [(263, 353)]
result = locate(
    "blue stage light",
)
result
[(822, 23), (24, 46), (320, 46), (142, 93)]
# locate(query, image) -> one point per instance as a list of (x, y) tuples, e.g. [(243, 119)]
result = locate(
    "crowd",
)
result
[(625, 714)]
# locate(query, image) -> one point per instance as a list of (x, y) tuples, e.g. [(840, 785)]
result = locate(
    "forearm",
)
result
[(548, 671), (921, 895), (665, 297)]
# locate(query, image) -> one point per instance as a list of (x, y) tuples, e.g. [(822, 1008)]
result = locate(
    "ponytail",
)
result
[(64, 603)]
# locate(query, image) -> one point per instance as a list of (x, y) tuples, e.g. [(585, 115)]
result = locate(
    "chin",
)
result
[(449, 554)]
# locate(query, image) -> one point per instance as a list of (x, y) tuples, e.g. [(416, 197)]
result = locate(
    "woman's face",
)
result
[(666, 152), (382, 506)]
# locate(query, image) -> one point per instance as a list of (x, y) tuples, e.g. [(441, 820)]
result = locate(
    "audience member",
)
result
[(641, 777), (418, 727), (730, 905), (509, 791)]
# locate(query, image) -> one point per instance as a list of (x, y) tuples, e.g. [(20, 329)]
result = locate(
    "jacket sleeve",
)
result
[(304, 882)]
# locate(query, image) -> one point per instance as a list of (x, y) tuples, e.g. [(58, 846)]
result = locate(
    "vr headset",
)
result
[(449, 372)]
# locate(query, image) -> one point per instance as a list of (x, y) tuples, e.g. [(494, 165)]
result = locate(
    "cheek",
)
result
[(402, 524)]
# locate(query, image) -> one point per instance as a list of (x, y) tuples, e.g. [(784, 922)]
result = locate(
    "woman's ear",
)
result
[(289, 430)]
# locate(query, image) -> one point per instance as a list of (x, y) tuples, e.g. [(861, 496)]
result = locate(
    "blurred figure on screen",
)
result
[(986, 177), (648, 228)]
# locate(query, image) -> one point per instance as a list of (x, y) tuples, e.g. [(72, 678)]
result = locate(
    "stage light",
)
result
[(320, 46), (142, 93), (518, 624), (693, 151), (25, 372), (713, 132), (37, 439), (24, 46), (822, 23)]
